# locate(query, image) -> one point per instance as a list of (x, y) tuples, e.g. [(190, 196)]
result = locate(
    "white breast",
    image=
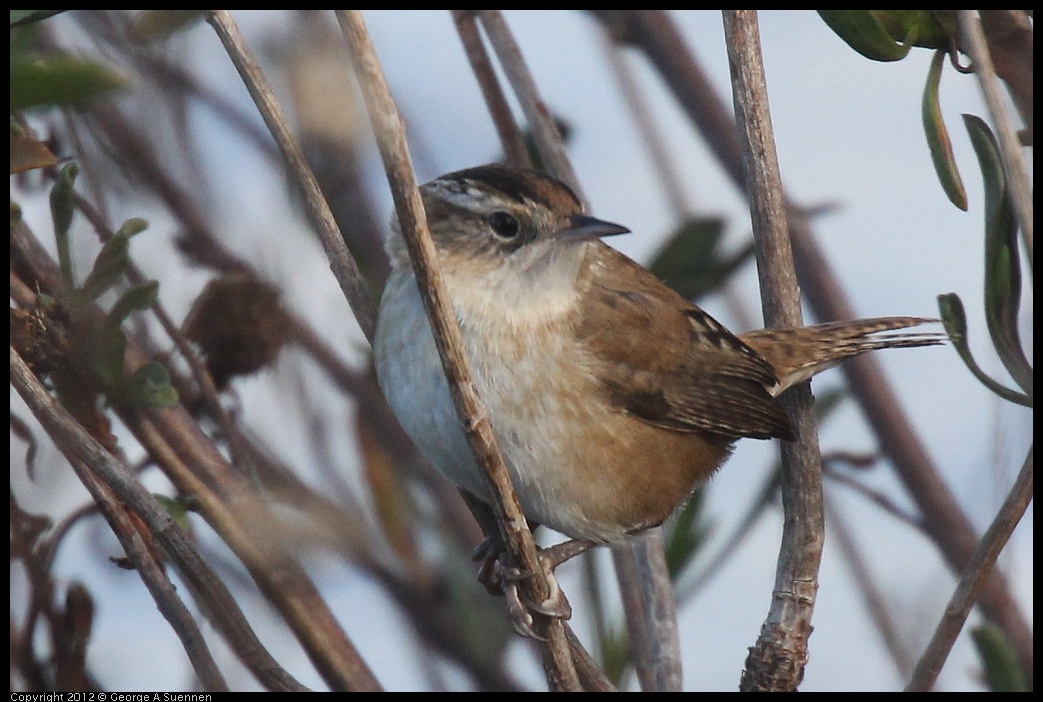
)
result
[(518, 354)]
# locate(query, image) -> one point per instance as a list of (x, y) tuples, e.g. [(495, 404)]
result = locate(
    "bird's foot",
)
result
[(500, 576)]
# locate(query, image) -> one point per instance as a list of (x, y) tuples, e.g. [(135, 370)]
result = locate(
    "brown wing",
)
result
[(668, 363)]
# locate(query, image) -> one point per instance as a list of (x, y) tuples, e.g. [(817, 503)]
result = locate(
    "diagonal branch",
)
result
[(474, 418), (548, 139), (199, 469), (341, 261), (84, 450), (121, 518), (499, 109), (973, 579), (640, 566)]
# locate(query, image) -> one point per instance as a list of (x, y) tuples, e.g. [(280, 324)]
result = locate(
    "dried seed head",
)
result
[(239, 324)]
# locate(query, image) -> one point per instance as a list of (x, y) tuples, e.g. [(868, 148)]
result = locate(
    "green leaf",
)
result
[(112, 260), (138, 297), (1002, 264), (887, 35), (177, 509), (955, 321), (938, 141), (864, 33), (931, 29), (58, 80), (63, 206), (685, 536), (23, 39), (134, 225), (614, 654), (149, 386), (22, 17), (110, 348), (690, 262), (111, 341), (1003, 673)]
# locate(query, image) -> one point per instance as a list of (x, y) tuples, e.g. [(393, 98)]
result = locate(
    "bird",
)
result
[(611, 396)]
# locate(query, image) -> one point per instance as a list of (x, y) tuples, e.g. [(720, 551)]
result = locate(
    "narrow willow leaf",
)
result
[(23, 17), (614, 654), (938, 141), (1003, 672), (62, 208), (1002, 264), (685, 536), (110, 348), (113, 260), (58, 80), (134, 225), (138, 297), (954, 319), (108, 267)]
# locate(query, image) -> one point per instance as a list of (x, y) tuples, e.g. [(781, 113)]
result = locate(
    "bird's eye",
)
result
[(504, 224)]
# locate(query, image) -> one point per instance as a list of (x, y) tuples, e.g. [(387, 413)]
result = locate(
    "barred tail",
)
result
[(799, 353)]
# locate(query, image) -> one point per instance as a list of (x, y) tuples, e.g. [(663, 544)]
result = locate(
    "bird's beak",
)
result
[(581, 227)]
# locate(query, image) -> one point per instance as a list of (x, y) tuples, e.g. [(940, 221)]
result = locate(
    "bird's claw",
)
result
[(500, 577), (521, 609)]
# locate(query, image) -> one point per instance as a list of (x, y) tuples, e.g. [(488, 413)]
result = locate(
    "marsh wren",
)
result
[(612, 397)]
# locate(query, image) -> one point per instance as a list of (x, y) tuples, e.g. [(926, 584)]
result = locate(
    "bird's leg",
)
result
[(555, 605), (500, 576)]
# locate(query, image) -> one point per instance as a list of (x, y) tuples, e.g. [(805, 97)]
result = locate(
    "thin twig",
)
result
[(1009, 36), (246, 525), (144, 561), (972, 580), (309, 619), (878, 498), (83, 450), (865, 579), (474, 418), (548, 139), (654, 639), (651, 135), (179, 446), (777, 660), (640, 567), (590, 675), (717, 563), (155, 578), (499, 109), (1010, 146), (341, 261), (662, 160)]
